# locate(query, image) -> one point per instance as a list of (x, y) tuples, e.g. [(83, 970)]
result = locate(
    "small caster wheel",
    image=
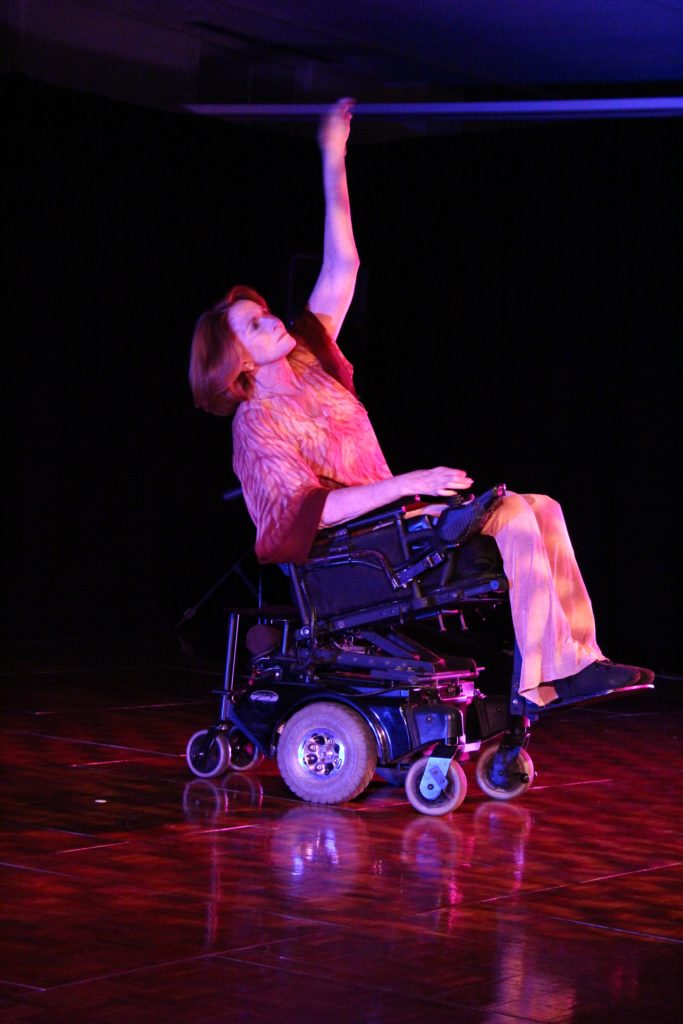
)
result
[(446, 800), (244, 753), (207, 763), (501, 781)]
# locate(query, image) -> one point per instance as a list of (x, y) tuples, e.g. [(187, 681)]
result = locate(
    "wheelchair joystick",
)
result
[(456, 525)]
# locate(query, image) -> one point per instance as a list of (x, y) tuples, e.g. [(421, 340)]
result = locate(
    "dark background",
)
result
[(517, 316)]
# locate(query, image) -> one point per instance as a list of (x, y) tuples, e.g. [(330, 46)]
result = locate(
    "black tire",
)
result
[(520, 775), (207, 764), (327, 753), (244, 754), (448, 799)]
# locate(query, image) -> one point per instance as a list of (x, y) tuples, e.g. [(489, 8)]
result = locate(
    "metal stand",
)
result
[(236, 567)]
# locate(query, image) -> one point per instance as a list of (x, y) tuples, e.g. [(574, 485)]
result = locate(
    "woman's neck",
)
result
[(274, 379)]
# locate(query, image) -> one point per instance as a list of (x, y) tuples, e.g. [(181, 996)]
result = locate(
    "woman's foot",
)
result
[(600, 677)]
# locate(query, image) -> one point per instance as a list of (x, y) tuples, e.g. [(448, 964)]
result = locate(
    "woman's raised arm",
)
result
[(333, 291)]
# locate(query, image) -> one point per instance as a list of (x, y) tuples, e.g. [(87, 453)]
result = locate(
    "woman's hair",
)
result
[(217, 379)]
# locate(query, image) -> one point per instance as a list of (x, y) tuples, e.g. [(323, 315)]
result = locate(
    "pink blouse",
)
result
[(290, 450)]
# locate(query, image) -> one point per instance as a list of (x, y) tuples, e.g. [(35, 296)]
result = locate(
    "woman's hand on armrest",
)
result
[(349, 502)]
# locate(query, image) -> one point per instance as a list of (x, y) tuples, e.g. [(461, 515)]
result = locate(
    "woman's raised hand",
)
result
[(442, 481), (335, 126)]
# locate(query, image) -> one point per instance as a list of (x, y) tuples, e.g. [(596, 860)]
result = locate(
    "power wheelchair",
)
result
[(344, 684)]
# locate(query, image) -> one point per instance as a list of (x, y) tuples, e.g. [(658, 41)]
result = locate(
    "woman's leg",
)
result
[(551, 609), (568, 581)]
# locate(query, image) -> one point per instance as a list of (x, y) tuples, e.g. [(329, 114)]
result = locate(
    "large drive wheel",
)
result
[(516, 779), (207, 763), (244, 754), (446, 799), (327, 753)]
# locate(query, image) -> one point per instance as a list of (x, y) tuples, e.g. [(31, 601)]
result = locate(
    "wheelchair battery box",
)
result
[(493, 715), (435, 722)]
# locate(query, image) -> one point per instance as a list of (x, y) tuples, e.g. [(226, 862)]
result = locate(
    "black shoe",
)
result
[(599, 678), (646, 676)]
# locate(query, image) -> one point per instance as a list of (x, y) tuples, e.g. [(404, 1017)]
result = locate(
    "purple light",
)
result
[(660, 106)]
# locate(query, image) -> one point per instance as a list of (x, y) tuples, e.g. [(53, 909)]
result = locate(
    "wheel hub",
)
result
[(502, 772), (321, 754)]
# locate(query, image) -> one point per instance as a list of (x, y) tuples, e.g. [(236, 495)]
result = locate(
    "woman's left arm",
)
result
[(333, 291)]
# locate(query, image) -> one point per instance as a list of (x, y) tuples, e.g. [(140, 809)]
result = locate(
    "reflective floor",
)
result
[(134, 892)]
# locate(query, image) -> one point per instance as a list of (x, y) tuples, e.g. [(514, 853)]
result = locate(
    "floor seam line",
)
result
[(618, 931)]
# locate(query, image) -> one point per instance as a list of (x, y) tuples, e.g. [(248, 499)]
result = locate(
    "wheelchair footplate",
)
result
[(599, 697), (532, 711)]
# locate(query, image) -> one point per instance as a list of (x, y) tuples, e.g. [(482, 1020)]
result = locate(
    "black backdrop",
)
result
[(517, 317)]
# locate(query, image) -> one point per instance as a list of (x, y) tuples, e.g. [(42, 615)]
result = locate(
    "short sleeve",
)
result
[(284, 497)]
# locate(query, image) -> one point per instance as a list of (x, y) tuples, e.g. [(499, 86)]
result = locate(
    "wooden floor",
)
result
[(133, 892)]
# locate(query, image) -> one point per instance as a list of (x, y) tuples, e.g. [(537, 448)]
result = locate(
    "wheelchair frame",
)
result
[(337, 690)]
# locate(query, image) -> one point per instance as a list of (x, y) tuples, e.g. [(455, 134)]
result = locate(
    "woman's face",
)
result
[(262, 336)]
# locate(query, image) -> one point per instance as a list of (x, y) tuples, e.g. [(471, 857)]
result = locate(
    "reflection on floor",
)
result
[(134, 892)]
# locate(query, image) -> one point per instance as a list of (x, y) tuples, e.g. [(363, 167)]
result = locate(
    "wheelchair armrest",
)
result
[(398, 510), (395, 510), (403, 509)]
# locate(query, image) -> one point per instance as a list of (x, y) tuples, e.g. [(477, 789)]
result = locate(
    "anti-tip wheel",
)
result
[(446, 800)]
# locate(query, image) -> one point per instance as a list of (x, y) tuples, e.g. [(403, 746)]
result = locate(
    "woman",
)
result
[(307, 457)]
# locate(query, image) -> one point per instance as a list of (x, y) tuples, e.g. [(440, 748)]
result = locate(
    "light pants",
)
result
[(551, 611)]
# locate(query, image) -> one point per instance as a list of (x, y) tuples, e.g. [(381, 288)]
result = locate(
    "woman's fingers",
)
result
[(441, 480), (336, 123), (450, 479)]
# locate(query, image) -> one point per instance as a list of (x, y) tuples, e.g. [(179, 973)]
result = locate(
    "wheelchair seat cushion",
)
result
[(355, 567)]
